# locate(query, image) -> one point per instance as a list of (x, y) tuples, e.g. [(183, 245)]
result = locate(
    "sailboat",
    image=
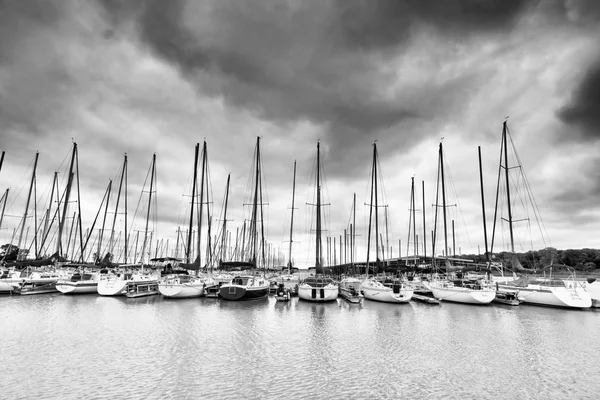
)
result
[(129, 280), (478, 290), (391, 290), (543, 291), (183, 285), (318, 288), (288, 283), (246, 286), (350, 286)]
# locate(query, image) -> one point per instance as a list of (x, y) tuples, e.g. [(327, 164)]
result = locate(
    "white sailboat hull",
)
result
[(112, 287), (80, 287), (457, 294), (182, 290), (553, 296), (10, 284), (377, 291), (318, 294)]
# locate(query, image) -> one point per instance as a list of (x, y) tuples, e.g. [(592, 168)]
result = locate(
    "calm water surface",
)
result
[(73, 347)]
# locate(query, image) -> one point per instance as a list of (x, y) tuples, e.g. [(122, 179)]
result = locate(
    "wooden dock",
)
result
[(425, 299)]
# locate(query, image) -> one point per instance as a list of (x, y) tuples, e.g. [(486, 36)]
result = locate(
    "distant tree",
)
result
[(9, 252)]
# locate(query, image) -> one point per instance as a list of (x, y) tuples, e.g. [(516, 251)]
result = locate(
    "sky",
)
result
[(154, 77)]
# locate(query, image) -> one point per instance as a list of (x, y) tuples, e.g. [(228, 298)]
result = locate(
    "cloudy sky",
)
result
[(144, 77)]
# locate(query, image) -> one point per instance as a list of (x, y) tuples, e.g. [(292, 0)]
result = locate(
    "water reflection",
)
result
[(198, 348)]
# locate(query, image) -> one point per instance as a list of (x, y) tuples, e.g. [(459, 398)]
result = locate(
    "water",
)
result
[(73, 347)]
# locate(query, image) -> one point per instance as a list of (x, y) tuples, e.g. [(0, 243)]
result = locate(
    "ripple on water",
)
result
[(72, 347)]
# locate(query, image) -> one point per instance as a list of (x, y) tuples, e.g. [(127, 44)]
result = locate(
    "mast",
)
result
[(253, 232), (149, 207), (126, 231), (37, 154), (370, 213), (99, 255), (262, 215), (61, 224), (412, 219), (35, 220), (444, 201), (353, 230), (224, 233), (2, 159), (5, 199), (376, 207), (79, 206), (112, 231), (189, 239), (487, 256), (201, 205), (292, 220), (424, 229), (318, 244), (510, 221)]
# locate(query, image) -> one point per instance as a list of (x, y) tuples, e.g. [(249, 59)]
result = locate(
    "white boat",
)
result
[(318, 289), (119, 283), (552, 292), (184, 286), (113, 284), (39, 282), (350, 290), (79, 283), (388, 291), (10, 280), (462, 291), (593, 288)]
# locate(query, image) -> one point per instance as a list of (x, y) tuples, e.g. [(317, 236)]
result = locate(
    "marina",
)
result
[(299, 200)]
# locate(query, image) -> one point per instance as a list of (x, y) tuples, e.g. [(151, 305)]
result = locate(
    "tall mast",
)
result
[(224, 233), (253, 232), (414, 217), (292, 220), (424, 228), (193, 206), (444, 201), (262, 214), (487, 256), (353, 229), (411, 219), (149, 207), (126, 231), (201, 204), (37, 154), (4, 199), (99, 255), (61, 224), (112, 231), (510, 221), (318, 244), (79, 206), (370, 212), (376, 207)]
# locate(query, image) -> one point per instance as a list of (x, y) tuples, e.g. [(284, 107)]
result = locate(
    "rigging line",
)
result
[(530, 193), (459, 208)]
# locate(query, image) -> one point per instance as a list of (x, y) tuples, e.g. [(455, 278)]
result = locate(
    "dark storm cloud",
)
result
[(375, 24), (583, 111), (322, 61)]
